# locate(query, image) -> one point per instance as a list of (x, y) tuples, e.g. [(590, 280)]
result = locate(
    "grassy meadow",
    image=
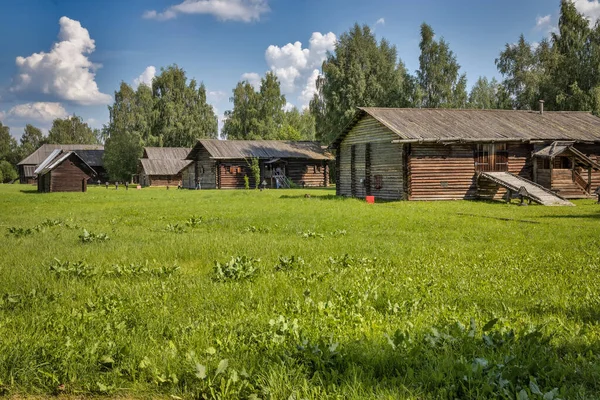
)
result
[(274, 295)]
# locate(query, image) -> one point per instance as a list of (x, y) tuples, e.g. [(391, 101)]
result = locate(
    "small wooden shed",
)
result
[(63, 172), (223, 164), (161, 166)]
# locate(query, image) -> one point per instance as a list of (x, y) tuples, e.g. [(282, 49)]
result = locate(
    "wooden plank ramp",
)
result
[(535, 192)]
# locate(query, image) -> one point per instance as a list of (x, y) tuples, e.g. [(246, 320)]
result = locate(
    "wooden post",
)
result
[(535, 168), (551, 170), (589, 185)]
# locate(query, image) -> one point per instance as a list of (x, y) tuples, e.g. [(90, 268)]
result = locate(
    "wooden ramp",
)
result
[(535, 192)]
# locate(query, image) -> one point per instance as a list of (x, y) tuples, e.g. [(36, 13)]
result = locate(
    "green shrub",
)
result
[(288, 263), (246, 182), (237, 268), (88, 237), (8, 172)]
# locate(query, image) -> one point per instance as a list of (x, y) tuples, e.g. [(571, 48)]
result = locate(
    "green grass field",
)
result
[(330, 298)]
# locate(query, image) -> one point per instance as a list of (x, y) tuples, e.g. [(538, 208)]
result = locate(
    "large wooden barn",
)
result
[(222, 164), (442, 154), (63, 172), (161, 166), (91, 154)]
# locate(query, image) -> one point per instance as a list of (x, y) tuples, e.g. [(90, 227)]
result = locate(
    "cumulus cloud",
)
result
[(292, 63), (42, 111), (380, 21), (288, 106), (310, 89), (589, 8), (64, 72), (146, 77), (216, 95), (252, 78), (542, 23), (224, 10)]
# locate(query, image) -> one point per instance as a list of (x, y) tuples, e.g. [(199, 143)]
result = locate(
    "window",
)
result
[(491, 157), (378, 182)]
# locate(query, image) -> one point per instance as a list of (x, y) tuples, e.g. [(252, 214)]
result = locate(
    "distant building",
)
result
[(443, 154), (91, 154), (161, 166), (63, 172), (223, 164)]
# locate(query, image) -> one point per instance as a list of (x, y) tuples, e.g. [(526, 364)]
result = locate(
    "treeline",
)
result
[(71, 130), (563, 70)]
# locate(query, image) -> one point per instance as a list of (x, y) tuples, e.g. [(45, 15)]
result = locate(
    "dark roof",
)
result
[(45, 150), (566, 148), (265, 149), (447, 125), (54, 160), (163, 167), (166, 153)]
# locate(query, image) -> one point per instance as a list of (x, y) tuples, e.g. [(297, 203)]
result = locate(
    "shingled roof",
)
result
[(264, 149), (163, 167), (166, 153), (447, 125), (90, 153)]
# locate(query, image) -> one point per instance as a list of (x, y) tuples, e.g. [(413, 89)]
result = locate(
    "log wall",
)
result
[(593, 152), (439, 172), (385, 159), (312, 173), (205, 168), (164, 180), (231, 174)]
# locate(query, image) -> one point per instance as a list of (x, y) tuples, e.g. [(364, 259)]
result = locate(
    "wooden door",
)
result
[(368, 169), (491, 157)]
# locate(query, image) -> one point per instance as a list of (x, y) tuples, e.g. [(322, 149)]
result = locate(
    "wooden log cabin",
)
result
[(63, 172), (91, 154), (222, 164), (161, 166), (443, 154)]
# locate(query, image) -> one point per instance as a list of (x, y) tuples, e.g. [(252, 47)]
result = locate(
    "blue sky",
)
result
[(53, 66)]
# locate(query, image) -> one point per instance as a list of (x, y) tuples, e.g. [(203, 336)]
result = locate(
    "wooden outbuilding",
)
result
[(223, 164), (63, 172), (161, 166), (443, 154), (91, 154)]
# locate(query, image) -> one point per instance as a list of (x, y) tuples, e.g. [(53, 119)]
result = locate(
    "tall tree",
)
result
[(360, 73), (181, 113), (9, 150), (298, 125), (438, 73), (123, 134), (72, 130), (270, 107), (31, 139), (242, 121)]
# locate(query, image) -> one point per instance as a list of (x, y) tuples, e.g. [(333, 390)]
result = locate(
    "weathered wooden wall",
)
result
[(312, 173), (385, 177), (231, 174), (519, 163), (593, 152), (206, 170), (442, 172), (164, 180), (188, 177)]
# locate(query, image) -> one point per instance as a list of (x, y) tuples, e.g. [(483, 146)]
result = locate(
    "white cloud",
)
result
[(41, 112), (310, 89), (542, 23), (224, 10), (146, 77), (288, 106), (64, 72), (589, 8), (252, 78), (216, 95), (293, 63), (380, 21)]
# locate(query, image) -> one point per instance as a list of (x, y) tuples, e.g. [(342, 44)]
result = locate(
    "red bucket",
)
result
[(370, 199)]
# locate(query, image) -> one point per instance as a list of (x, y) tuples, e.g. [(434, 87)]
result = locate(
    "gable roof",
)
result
[(448, 125), (265, 149), (163, 167), (58, 157), (166, 153), (93, 151)]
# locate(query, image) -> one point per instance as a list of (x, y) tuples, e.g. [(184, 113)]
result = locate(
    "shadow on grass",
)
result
[(29, 191), (312, 196)]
